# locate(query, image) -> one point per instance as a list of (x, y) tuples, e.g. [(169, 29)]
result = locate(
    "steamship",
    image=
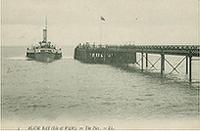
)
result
[(44, 51)]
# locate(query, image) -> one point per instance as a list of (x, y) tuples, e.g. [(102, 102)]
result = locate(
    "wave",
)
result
[(18, 58), (67, 57), (25, 58)]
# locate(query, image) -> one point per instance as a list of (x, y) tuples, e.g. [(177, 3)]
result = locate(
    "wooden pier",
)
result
[(126, 54)]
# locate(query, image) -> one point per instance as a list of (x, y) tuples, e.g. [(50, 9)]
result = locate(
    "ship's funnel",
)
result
[(45, 32)]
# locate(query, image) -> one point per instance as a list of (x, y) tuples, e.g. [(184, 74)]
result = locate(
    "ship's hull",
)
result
[(58, 55), (44, 56), (30, 55)]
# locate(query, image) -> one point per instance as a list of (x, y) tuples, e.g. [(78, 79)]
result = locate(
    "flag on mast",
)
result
[(102, 18)]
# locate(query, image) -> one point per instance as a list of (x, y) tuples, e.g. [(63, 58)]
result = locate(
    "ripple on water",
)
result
[(139, 99), (38, 106), (73, 106), (108, 103), (95, 97), (149, 94)]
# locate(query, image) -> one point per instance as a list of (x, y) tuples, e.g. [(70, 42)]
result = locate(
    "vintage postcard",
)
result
[(100, 64)]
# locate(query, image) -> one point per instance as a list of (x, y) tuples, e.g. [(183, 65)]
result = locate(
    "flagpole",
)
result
[(102, 19), (100, 32)]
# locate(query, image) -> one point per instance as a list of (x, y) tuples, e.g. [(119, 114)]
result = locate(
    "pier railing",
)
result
[(190, 50)]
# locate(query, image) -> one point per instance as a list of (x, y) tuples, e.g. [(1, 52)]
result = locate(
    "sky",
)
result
[(126, 21)]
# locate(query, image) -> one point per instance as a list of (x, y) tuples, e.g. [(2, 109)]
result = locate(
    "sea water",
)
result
[(69, 91)]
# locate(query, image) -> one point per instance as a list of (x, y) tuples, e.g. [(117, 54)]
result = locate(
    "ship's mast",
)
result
[(45, 32)]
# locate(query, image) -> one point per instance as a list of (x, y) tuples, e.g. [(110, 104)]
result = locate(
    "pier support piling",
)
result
[(142, 62), (186, 66), (146, 60), (162, 63), (190, 68)]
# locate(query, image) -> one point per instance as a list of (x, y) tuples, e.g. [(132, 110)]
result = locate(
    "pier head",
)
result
[(104, 54)]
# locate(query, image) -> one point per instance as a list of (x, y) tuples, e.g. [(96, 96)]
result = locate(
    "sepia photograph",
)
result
[(100, 64)]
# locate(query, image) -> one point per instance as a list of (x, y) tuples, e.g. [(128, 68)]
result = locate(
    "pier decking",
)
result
[(126, 54)]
